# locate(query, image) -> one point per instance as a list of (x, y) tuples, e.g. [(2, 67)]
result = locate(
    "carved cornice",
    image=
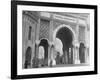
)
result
[(32, 15)]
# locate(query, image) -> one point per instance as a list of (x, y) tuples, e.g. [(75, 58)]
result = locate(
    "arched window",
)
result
[(29, 33)]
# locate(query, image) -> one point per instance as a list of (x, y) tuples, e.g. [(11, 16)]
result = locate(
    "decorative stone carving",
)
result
[(44, 29)]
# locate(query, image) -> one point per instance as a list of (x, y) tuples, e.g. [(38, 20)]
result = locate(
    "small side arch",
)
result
[(28, 57), (45, 43)]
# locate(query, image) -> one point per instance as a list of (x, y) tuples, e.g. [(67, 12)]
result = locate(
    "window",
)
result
[(29, 35)]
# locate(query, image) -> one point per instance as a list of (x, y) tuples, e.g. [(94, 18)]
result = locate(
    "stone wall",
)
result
[(43, 28), (27, 22)]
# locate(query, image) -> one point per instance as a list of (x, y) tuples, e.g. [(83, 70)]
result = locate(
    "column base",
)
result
[(77, 62)]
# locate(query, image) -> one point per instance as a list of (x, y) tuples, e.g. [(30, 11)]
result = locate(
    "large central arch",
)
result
[(67, 35), (64, 26)]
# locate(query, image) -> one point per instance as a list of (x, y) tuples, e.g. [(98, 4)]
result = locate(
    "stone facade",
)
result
[(46, 25)]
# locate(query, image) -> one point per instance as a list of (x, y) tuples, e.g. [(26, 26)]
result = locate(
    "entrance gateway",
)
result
[(67, 35)]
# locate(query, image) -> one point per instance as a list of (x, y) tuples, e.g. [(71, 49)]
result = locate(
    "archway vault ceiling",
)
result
[(66, 36)]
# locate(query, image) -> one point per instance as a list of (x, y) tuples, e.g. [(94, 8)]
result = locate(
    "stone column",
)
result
[(37, 48), (76, 44), (76, 53), (37, 38), (73, 54), (49, 53), (50, 38), (87, 39), (37, 29)]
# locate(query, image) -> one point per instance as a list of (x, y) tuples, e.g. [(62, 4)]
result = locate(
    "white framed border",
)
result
[(21, 71)]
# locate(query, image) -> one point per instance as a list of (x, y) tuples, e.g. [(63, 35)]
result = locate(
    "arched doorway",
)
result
[(44, 43), (66, 35), (28, 57), (82, 52)]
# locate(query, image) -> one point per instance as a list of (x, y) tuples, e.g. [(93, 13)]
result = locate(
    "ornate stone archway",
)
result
[(62, 26), (74, 41)]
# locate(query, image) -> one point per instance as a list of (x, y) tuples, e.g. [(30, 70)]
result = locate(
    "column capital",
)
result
[(76, 44), (37, 42), (51, 43), (87, 45)]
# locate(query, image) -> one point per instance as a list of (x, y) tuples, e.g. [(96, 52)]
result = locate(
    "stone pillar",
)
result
[(73, 54), (37, 30), (76, 45), (77, 41), (50, 38), (77, 50), (33, 54), (87, 54), (87, 39), (37, 38), (49, 53), (37, 48), (76, 53), (85, 44)]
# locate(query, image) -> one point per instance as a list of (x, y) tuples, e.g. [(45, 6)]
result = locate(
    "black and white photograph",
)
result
[(55, 39), (52, 40)]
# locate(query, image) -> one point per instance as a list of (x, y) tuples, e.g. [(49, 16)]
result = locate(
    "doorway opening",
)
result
[(28, 57), (66, 35), (82, 52), (44, 44)]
